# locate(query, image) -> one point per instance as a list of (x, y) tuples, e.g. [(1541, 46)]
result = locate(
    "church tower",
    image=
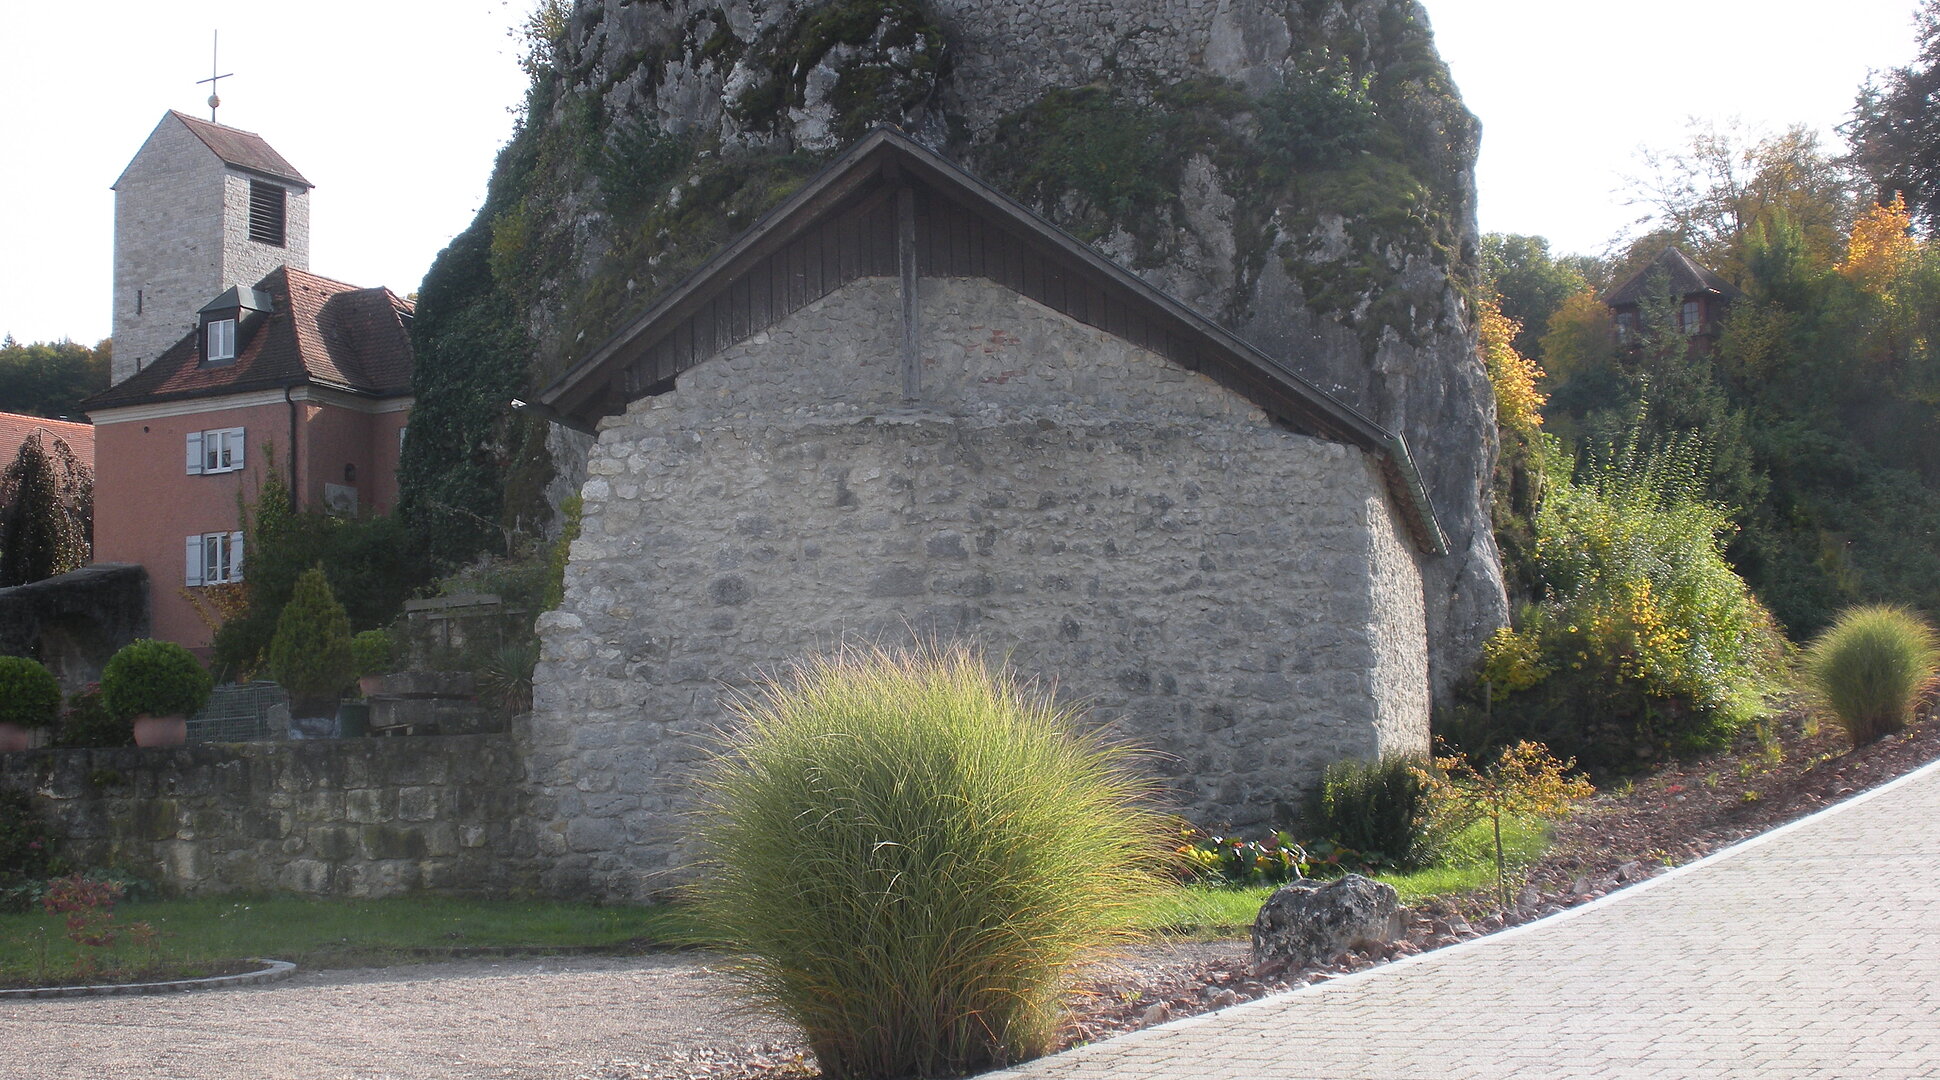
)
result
[(202, 207)]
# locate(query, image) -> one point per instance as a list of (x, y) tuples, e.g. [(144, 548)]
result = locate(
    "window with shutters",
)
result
[(266, 213), (214, 559), (217, 451)]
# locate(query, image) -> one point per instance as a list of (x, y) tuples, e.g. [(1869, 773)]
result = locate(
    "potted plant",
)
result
[(157, 684), (371, 651), (30, 699)]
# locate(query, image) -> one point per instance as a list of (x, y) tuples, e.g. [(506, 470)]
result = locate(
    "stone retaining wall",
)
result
[(351, 817)]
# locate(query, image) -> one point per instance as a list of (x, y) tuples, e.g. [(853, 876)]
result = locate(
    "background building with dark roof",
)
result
[(1696, 297), (319, 370)]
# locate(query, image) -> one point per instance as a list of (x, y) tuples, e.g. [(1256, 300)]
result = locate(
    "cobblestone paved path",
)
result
[(1813, 951)]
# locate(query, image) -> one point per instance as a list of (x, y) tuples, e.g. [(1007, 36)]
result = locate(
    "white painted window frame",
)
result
[(222, 340), (214, 558), (219, 450)]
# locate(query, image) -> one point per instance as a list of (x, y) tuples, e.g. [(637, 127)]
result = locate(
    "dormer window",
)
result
[(221, 344), (227, 319)]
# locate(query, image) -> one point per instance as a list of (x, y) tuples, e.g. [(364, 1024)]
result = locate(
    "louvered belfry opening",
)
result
[(266, 212)]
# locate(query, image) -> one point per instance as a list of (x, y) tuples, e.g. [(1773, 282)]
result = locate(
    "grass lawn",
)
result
[(194, 934), (1209, 913)]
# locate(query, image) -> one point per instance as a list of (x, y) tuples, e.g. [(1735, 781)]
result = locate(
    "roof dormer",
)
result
[(227, 321)]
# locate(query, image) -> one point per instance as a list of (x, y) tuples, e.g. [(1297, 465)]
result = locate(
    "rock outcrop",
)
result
[(1300, 170)]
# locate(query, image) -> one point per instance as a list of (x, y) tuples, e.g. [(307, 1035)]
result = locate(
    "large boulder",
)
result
[(1306, 923)]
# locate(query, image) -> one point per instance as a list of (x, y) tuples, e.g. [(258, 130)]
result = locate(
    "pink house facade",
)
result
[(300, 373)]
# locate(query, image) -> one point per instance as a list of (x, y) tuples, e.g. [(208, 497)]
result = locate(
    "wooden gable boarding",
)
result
[(891, 208)]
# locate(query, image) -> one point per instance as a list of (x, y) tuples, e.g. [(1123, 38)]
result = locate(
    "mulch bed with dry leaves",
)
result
[(1679, 812)]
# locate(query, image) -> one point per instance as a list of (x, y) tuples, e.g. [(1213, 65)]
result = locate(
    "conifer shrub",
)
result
[(30, 696), (159, 678), (1384, 811), (1868, 668), (310, 654), (907, 852)]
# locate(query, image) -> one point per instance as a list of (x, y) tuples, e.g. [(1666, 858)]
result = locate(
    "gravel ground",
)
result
[(596, 1018)]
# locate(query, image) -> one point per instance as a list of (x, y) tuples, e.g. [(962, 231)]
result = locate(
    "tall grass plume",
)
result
[(908, 852), (1869, 666)]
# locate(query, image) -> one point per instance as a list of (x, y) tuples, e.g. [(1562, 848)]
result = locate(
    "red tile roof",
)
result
[(321, 332), (14, 429), (243, 149)]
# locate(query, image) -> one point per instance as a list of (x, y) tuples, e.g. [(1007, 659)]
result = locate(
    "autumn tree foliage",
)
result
[(1725, 183), (1518, 403), (46, 512), (1881, 246)]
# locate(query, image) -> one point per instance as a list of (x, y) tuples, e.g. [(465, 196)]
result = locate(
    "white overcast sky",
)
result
[(396, 108)]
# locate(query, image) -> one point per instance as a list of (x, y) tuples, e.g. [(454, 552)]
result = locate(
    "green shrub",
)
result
[(27, 850), (1645, 640), (1867, 669), (29, 694), (160, 678), (908, 853), (1382, 810), (372, 652), (87, 722), (310, 654)]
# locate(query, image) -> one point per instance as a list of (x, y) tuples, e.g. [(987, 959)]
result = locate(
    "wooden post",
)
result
[(906, 264)]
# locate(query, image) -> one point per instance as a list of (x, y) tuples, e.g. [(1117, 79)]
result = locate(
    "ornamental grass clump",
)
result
[(908, 852), (1868, 668)]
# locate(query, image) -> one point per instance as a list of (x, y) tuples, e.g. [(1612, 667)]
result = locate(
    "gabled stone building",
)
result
[(903, 405)]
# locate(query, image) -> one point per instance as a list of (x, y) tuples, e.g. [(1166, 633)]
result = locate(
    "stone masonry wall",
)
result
[(1224, 591), (350, 817)]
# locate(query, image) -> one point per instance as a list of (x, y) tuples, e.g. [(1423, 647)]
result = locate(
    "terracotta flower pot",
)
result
[(14, 737), (368, 685), (161, 730)]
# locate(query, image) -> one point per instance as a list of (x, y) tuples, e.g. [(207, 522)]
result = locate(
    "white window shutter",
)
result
[(235, 554), (193, 573), (235, 448), (195, 453)]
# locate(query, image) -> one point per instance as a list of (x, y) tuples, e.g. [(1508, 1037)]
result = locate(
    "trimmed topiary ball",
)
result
[(29, 694), (909, 853), (159, 678), (1868, 667)]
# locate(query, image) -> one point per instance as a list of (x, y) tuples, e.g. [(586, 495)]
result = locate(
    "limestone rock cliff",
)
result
[(1301, 170)]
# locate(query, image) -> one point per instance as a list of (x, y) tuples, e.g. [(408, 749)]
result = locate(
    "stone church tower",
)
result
[(200, 208)]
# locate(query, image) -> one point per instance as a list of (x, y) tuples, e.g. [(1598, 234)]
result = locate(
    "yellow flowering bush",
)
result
[(1645, 639)]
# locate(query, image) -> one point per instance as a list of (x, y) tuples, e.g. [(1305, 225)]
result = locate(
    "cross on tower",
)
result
[(214, 101)]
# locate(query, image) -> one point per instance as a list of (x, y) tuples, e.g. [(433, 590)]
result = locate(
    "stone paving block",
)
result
[(1811, 953)]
